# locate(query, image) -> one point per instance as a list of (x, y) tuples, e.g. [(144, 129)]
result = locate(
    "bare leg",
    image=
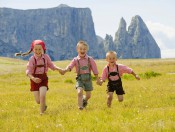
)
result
[(86, 98), (80, 97), (109, 99), (120, 98), (43, 91), (37, 96), (88, 95)]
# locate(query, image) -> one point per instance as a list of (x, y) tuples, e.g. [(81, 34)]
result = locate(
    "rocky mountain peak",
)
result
[(62, 6), (108, 43), (137, 26), (137, 42), (122, 25), (121, 32)]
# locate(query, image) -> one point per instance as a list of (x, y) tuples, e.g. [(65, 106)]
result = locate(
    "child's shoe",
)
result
[(80, 108), (84, 102), (45, 108)]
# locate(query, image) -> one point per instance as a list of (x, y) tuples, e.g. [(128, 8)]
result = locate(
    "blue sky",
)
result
[(159, 16)]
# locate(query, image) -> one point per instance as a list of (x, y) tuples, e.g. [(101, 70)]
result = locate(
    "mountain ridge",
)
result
[(60, 28)]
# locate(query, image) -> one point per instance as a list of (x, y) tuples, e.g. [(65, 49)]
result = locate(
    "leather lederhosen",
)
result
[(84, 80), (116, 82), (83, 77), (43, 77), (115, 85)]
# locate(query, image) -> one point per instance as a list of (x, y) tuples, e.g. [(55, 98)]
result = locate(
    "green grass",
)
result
[(148, 106), (150, 74), (68, 81)]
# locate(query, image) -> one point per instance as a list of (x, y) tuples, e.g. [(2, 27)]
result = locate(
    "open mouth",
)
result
[(38, 54), (82, 53)]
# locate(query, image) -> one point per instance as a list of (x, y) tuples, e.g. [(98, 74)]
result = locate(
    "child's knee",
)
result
[(110, 97), (37, 101), (42, 99), (120, 100), (80, 94), (88, 96)]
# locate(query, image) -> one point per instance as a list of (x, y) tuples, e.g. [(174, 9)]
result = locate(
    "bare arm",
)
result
[(66, 70), (135, 75), (70, 66), (97, 79), (61, 71)]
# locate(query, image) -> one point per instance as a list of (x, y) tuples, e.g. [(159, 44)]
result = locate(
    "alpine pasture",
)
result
[(149, 104)]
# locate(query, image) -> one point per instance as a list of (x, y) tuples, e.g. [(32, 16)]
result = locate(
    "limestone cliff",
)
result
[(137, 42), (60, 27), (63, 26)]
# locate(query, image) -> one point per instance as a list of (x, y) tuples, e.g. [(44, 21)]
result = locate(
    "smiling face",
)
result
[(111, 58), (38, 50), (82, 49)]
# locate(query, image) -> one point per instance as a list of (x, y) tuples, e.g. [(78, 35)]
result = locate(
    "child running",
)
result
[(113, 72), (83, 64), (37, 68)]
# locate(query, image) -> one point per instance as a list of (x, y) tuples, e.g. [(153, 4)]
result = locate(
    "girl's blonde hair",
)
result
[(111, 52), (83, 43)]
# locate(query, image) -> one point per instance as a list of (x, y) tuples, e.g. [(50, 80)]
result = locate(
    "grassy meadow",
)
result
[(148, 106)]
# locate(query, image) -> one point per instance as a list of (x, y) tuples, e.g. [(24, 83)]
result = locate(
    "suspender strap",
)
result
[(118, 71), (89, 65), (78, 67), (109, 71), (35, 66), (117, 68), (44, 64)]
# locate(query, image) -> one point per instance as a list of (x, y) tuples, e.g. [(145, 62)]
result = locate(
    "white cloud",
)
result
[(165, 38), (168, 53), (157, 27)]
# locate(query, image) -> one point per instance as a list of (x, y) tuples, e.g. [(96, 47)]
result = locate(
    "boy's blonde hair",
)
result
[(111, 52), (83, 43)]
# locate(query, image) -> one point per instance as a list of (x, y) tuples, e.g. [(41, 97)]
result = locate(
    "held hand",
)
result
[(99, 82), (64, 71), (137, 77), (36, 80), (61, 71)]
